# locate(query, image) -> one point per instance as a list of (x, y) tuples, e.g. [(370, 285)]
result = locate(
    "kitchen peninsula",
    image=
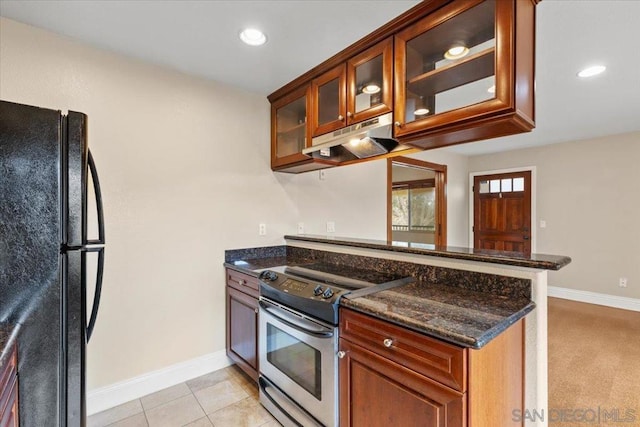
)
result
[(473, 306)]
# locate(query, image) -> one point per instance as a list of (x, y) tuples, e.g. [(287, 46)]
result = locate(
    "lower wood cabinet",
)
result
[(242, 321), (9, 391), (393, 376)]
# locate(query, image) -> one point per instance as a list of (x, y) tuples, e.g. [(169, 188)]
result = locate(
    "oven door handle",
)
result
[(299, 324)]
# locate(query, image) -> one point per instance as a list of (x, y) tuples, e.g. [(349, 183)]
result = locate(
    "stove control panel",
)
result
[(300, 287)]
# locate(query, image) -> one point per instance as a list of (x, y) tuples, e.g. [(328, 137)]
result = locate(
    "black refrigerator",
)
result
[(45, 166)]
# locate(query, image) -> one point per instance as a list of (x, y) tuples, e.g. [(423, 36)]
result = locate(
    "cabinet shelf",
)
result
[(292, 129), (475, 67)]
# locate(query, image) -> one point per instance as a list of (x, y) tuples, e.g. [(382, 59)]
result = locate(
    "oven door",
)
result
[(298, 356)]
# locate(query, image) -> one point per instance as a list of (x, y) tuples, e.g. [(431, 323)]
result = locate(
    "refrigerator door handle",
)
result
[(98, 195), (99, 248), (96, 296)]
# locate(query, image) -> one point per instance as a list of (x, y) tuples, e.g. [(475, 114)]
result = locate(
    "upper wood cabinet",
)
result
[(354, 91), (290, 133), (457, 68), (451, 71), (370, 82)]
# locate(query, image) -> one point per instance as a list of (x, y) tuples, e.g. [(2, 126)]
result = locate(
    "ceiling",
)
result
[(201, 38)]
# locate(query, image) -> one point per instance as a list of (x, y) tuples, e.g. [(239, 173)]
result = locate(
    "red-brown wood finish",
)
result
[(385, 49), (502, 219), (242, 321), (279, 160), (376, 391), (9, 416), (381, 386), (432, 358), (337, 77), (512, 109)]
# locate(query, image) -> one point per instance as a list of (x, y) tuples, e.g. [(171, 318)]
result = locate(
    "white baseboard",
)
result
[(121, 392), (625, 303)]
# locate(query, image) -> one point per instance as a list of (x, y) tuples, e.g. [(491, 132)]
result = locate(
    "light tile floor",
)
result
[(224, 398)]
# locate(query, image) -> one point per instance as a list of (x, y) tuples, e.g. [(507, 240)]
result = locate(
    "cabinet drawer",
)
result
[(243, 282), (430, 357)]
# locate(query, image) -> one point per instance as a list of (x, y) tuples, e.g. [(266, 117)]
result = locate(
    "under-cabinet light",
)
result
[(371, 89), (253, 37), (592, 71), (421, 109), (456, 52)]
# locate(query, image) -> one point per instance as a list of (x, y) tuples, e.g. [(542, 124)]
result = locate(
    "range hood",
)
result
[(370, 138)]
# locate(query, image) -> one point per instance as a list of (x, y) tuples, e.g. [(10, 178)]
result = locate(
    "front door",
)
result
[(502, 212)]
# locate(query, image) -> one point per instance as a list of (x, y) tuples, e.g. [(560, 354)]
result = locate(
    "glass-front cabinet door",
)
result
[(290, 132), (369, 82), (447, 69), (329, 99)]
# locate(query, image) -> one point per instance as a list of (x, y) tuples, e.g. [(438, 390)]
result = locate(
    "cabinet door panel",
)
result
[(370, 82), (378, 392), (242, 331), (290, 131), (329, 101)]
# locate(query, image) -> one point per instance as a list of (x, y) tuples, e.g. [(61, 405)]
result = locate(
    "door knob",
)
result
[(525, 237)]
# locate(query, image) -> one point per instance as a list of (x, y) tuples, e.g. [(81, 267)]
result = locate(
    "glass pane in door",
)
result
[(291, 128), (328, 101), (452, 65), (369, 84), (296, 359)]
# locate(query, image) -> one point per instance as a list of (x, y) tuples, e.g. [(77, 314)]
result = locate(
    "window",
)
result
[(413, 206), (506, 185)]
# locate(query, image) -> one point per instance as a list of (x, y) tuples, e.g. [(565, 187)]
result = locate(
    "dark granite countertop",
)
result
[(539, 261), (462, 317), (8, 336)]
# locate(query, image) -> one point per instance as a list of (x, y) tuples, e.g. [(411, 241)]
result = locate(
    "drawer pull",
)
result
[(388, 342), (241, 282)]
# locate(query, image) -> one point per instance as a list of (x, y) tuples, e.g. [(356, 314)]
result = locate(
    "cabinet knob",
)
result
[(341, 354), (388, 342), (340, 117), (241, 282), (256, 310), (349, 114), (398, 124)]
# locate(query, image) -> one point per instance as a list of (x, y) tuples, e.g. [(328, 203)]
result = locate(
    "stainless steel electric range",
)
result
[(298, 338)]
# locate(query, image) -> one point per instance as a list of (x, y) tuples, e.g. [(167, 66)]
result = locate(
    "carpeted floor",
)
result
[(594, 365)]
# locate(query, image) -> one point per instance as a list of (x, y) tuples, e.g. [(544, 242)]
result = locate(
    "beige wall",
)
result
[(588, 192), (184, 167), (355, 198)]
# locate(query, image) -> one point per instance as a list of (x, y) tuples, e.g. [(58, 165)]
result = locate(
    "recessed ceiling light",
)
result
[(492, 89), (253, 37), (371, 89), (592, 71), (456, 52)]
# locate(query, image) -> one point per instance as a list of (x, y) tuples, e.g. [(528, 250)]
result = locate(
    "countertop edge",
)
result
[(451, 337), (488, 258)]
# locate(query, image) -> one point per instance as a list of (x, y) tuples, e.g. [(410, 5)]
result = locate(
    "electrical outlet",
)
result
[(321, 175), (543, 223), (331, 227), (262, 229), (301, 228), (623, 282)]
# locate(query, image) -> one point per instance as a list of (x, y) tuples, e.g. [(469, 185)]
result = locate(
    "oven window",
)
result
[(294, 358)]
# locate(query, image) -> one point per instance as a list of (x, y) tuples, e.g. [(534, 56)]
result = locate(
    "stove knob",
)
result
[(317, 290), (328, 293), (272, 275)]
